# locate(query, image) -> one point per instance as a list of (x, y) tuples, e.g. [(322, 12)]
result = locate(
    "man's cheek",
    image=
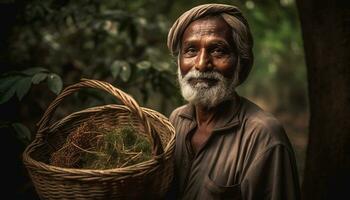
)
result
[(186, 65)]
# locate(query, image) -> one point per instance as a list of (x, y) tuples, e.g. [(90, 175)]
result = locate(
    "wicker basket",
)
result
[(147, 180)]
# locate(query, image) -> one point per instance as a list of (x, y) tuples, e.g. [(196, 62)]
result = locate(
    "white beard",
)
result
[(202, 93)]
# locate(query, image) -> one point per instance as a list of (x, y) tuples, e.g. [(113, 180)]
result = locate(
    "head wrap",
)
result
[(241, 34)]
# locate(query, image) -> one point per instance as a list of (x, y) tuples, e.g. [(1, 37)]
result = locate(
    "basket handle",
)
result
[(127, 100)]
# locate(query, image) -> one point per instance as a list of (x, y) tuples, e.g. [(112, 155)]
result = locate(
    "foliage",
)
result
[(114, 41), (123, 42), (107, 40), (20, 82), (23, 133), (279, 70)]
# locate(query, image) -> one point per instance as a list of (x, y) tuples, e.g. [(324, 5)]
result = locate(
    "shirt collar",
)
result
[(226, 118)]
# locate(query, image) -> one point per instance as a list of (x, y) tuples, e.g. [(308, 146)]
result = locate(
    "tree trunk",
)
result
[(326, 35)]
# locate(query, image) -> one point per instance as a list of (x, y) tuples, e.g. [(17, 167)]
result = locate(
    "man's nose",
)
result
[(203, 61)]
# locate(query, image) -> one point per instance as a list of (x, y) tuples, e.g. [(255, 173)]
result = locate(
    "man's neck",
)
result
[(205, 115)]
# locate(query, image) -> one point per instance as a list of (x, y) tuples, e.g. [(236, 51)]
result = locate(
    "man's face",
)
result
[(207, 62)]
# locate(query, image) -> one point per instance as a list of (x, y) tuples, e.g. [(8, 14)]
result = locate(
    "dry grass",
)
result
[(92, 147)]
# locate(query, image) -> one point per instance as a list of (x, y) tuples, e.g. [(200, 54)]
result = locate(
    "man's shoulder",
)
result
[(262, 125)]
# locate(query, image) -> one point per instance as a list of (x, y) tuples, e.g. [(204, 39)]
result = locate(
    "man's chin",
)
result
[(202, 87), (202, 97), (202, 83)]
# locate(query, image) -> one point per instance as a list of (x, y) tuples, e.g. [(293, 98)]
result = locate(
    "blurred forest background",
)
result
[(48, 45)]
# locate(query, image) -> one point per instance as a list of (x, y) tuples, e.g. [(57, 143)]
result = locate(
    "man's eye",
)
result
[(218, 51), (190, 51)]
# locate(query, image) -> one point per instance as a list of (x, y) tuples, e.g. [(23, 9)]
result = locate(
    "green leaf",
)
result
[(144, 64), (126, 72), (23, 86), (161, 66), (54, 83), (37, 78), (34, 70), (117, 15), (6, 95), (7, 82), (22, 132), (116, 68)]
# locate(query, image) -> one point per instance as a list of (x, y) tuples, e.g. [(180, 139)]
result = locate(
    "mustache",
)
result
[(194, 74)]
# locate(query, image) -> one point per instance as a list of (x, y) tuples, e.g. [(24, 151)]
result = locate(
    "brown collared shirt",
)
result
[(248, 156)]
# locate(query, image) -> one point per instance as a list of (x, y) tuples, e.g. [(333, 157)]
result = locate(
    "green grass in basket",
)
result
[(117, 148), (97, 147)]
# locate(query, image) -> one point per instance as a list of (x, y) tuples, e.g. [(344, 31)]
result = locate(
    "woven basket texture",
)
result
[(147, 180)]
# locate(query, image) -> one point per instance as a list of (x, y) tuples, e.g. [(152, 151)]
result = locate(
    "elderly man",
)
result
[(226, 146)]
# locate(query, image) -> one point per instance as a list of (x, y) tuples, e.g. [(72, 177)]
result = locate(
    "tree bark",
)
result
[(326, 34)]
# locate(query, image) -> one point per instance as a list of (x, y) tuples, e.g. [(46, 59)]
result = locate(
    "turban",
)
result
[(241, 35)]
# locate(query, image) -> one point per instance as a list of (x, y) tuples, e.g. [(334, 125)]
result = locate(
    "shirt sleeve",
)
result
[(273, 175)]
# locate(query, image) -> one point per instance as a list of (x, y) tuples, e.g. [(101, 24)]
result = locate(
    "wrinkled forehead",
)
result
[(210, 26)]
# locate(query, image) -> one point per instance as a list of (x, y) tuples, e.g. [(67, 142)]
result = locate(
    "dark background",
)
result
[(48, 45)]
